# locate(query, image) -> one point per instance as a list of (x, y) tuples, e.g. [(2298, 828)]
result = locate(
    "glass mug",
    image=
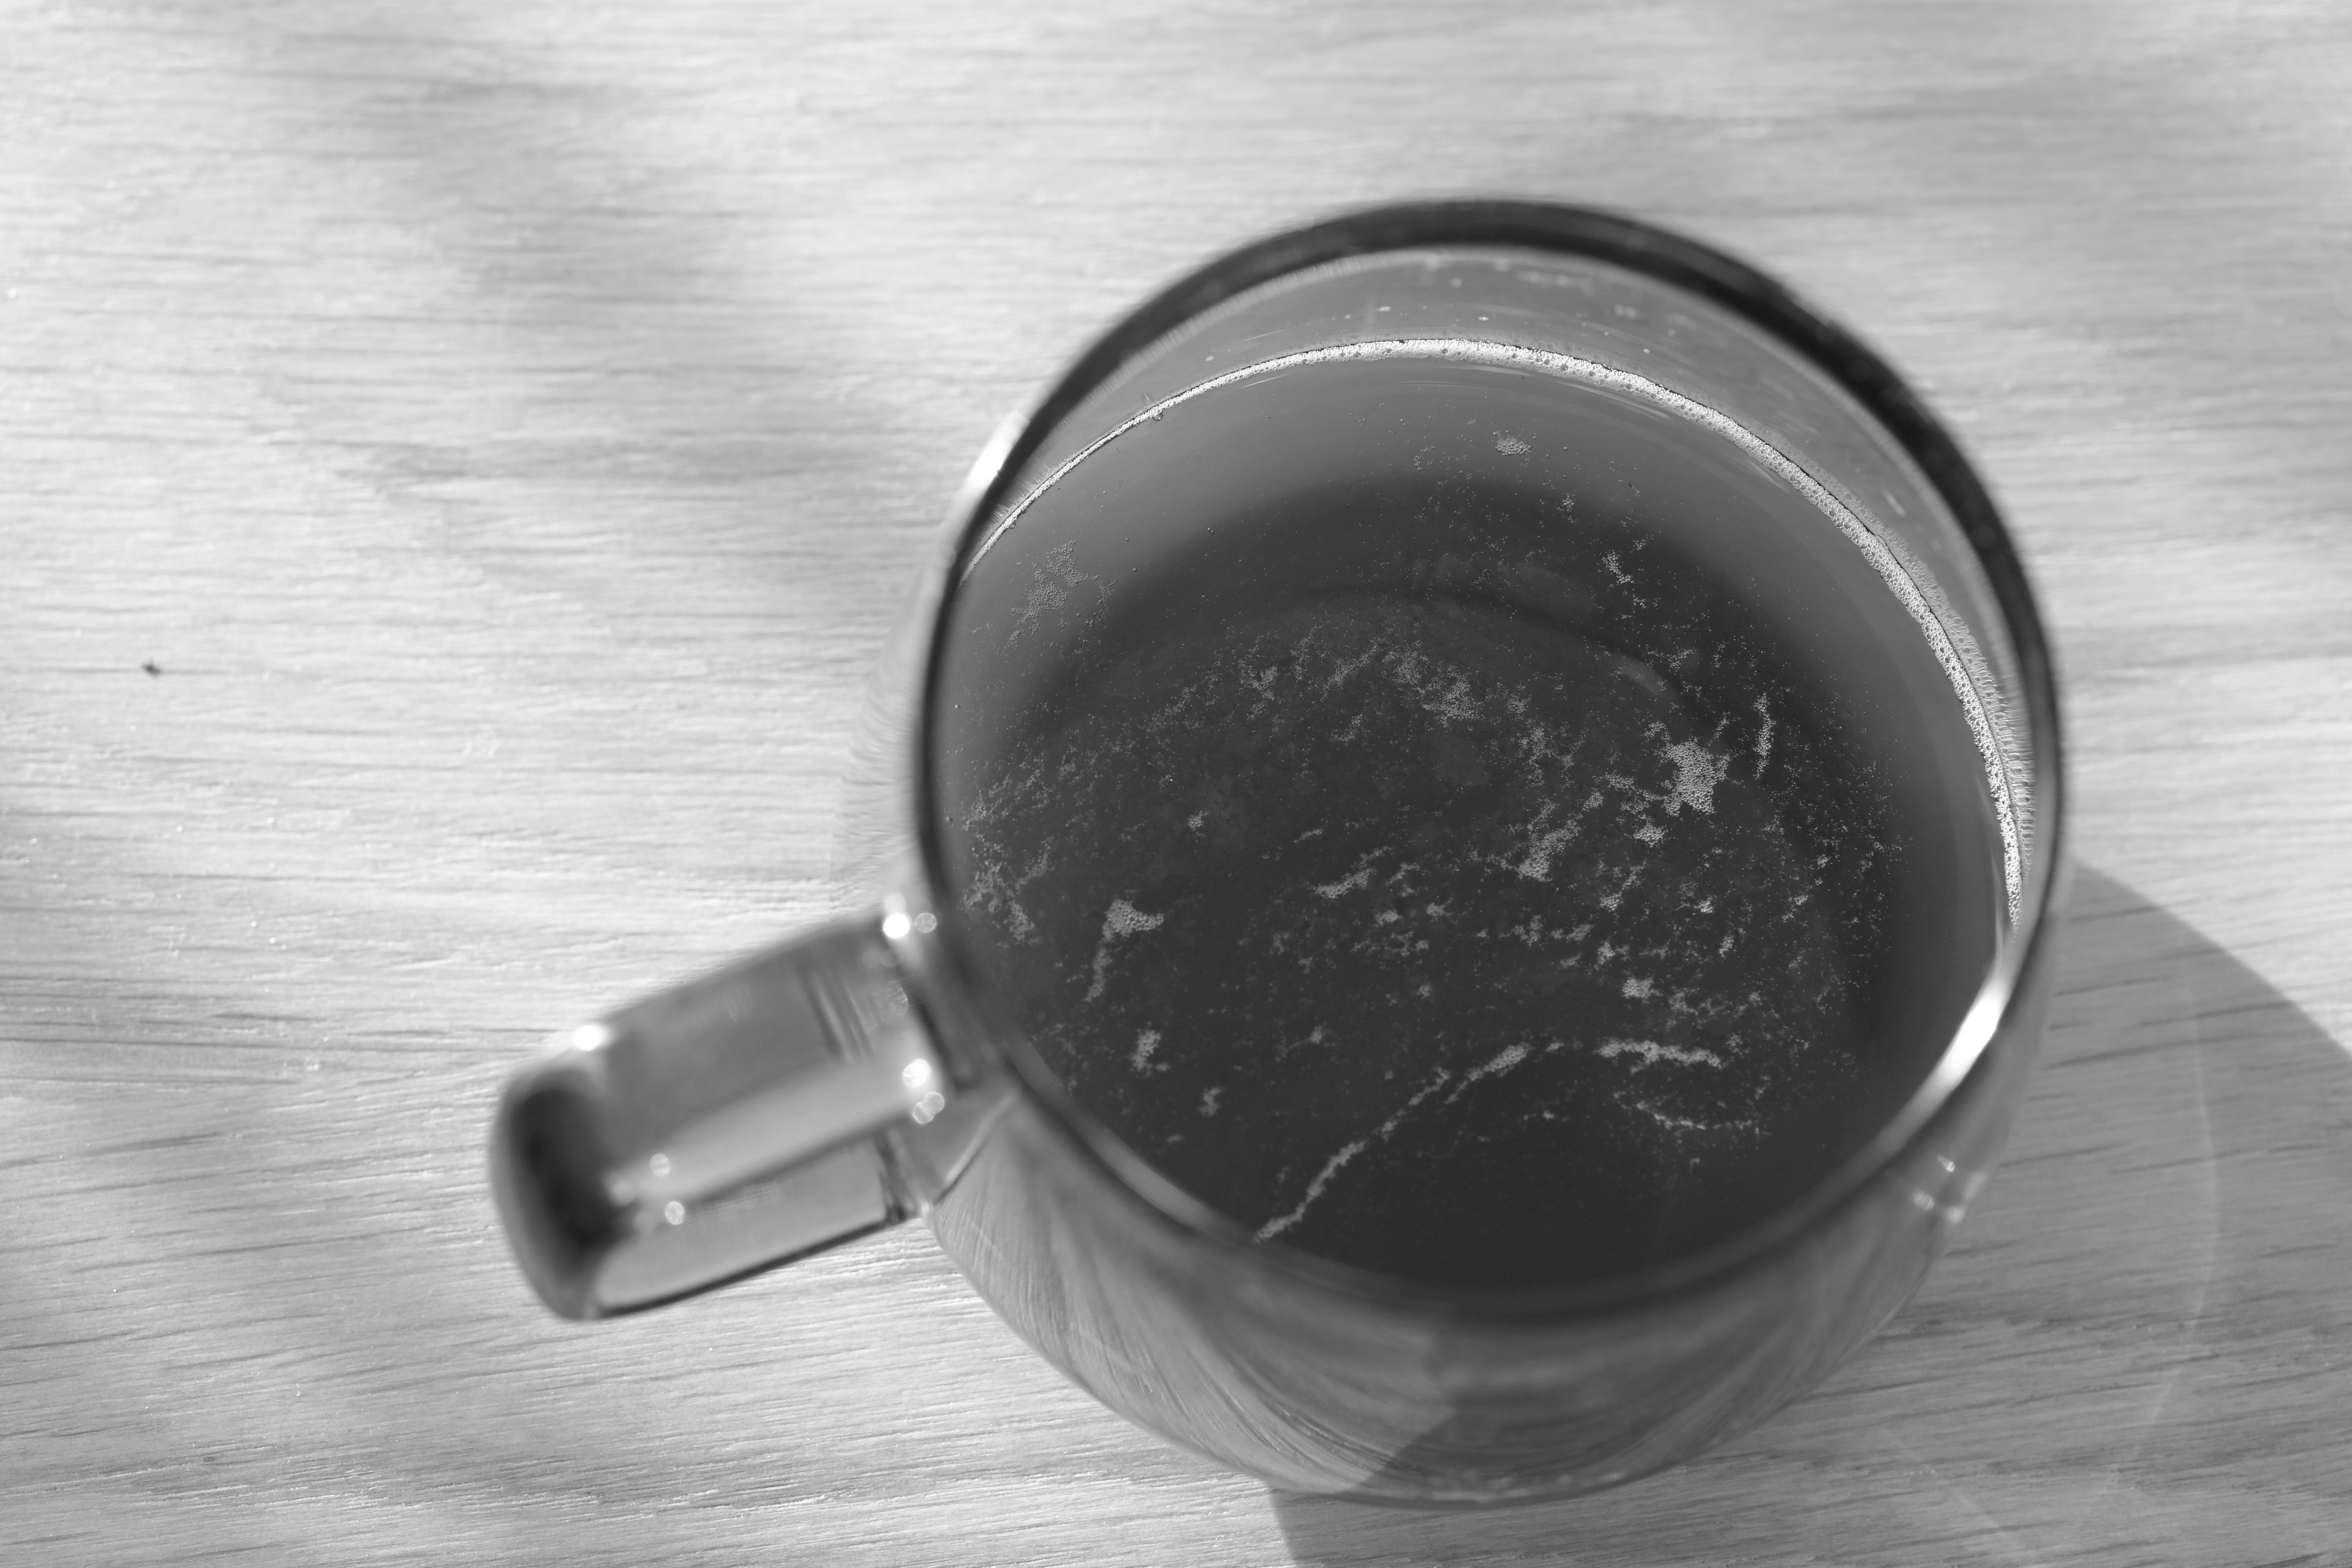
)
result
[(1476, 792)]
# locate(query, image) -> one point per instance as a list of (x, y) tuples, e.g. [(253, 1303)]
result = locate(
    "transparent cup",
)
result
[(880, 1069)]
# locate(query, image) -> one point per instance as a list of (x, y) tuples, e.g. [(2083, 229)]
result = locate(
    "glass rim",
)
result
[(1748, 295)]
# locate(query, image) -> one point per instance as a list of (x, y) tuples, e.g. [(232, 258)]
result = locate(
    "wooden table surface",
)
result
[(457, 463)]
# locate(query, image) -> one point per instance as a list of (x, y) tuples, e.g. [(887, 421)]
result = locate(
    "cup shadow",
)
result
[(2140, 1345)]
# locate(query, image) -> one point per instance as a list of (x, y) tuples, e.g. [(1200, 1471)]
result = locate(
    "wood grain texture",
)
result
[(508, 431)]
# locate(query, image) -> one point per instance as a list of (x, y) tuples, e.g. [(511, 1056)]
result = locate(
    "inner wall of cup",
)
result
[(1597, 314), (1593, 310)]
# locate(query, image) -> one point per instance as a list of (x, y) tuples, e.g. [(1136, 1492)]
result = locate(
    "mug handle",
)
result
[(779, 1105)]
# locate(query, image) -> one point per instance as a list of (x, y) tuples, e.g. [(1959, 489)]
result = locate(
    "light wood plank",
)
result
[(509, 430)]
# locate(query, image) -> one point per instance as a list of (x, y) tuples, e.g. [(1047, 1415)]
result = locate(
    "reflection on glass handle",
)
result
[(775, 1108)]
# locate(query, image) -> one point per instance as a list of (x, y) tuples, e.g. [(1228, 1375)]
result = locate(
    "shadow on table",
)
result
[(2141, 1343)]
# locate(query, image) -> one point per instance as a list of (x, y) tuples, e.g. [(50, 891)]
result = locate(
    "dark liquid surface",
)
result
[(1472, 825)]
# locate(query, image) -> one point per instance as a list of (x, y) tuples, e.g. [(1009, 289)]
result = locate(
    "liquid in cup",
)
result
[(1469, 814)]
